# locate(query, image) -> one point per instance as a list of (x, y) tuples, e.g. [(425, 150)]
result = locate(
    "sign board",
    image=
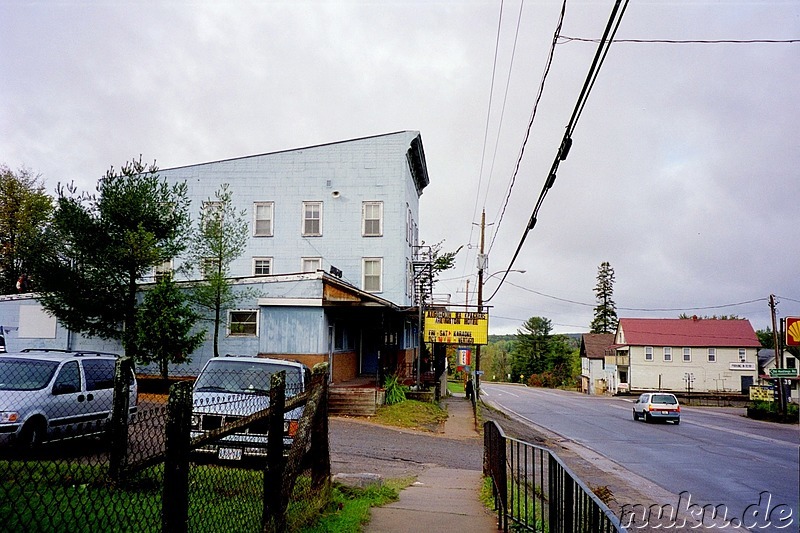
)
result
[(742, 366), (464, 356), (448, 327), (793, 331), (783, 372), (762, 393)]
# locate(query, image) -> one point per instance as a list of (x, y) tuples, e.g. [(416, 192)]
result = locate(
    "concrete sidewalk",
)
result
[(442, 499)]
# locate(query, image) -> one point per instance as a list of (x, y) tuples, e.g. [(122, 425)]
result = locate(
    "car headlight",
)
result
[(8, 417), (195, 421)]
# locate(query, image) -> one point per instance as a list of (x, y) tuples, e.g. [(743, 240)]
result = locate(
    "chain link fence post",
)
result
[(118, 459), (175, 498)]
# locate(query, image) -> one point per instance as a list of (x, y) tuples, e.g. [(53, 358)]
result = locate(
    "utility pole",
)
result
[(778, 355), (481, 266)]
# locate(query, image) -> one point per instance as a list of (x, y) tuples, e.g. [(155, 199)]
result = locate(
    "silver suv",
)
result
[(52, 394), (232, 387)]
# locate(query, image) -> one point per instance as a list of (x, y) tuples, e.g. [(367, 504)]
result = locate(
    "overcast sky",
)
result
[(683, 173)]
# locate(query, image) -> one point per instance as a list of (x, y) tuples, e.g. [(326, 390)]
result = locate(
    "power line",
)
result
[(643, 309), (563, 39), (566, 143), (549, 62)]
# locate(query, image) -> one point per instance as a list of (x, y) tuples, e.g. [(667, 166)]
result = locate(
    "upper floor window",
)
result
[(162, 271), (667, 353), (243, 323), (687, 355), (648, 353), (310, 264), (262, 266), (372, 219), (712, 355), (372, 274), (312, 219), (742, 355), (262, 219)]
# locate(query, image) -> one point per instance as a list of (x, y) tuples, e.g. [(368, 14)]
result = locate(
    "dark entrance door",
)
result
[(746, 382)]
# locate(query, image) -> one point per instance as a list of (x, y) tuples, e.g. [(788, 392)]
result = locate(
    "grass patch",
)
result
[(412, 414), (349, 508), (455, 387)]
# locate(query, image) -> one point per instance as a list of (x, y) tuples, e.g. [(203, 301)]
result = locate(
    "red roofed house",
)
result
[(702, 355)]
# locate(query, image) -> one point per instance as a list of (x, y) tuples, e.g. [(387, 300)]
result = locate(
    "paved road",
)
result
[(717, 457)]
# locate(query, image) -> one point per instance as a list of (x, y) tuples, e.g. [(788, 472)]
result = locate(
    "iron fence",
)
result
[(534, 490)]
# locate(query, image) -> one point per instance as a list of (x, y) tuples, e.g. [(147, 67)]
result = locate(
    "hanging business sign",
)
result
[(448, 327)]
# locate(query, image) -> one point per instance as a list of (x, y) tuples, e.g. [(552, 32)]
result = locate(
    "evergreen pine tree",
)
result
[(605, 314)]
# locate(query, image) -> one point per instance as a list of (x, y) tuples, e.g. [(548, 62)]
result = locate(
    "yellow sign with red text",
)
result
[(447, 327)]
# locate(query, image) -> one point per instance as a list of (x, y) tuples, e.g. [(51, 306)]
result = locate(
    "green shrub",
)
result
[(395, 391)]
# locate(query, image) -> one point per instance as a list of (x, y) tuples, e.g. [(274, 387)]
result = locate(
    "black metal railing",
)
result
[(535, 491)]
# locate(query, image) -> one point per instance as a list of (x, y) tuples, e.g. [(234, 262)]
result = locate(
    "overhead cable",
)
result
[(566, 143)]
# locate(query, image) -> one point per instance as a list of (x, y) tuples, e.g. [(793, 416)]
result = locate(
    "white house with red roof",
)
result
[(692, 354)]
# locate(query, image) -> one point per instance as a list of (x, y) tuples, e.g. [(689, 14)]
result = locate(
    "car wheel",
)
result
[(648, 418), (635, 415), (31, 435)]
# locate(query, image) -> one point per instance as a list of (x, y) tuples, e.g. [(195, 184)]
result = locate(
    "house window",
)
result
[(667, 353), (162, 271), (648, 353), (311, 264), (312, 219), (262, 219), (712, 355), (372, 215), (243, 323), (791, 362), (687, 355), (742, 355), (262, 266), (372, 270)]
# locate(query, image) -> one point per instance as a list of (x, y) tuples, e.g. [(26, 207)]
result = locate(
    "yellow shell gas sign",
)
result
[(448, 327), (792, 331)]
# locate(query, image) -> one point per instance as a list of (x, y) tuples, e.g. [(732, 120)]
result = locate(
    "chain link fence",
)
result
[(130, 463)]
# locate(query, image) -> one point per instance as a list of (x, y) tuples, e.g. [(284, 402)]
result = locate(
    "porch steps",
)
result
[(353, 401)]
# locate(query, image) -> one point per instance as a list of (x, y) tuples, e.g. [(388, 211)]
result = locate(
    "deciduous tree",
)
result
[(220, 237), (25, 210)]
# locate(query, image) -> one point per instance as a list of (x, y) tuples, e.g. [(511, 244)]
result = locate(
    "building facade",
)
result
[(693, 354), (328, 264)]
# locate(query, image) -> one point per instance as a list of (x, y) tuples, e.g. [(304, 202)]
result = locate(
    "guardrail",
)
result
[(535, 491)]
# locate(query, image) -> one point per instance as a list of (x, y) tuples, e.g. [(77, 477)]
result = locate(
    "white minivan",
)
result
[(652, 406), (51, 394)]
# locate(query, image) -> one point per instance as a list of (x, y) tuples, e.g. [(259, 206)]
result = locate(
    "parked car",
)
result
[(51, 394), (657, 406), (232, 387)]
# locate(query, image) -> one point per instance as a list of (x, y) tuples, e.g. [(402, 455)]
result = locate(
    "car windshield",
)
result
[(664, 398), (25, 374), (245, 377)]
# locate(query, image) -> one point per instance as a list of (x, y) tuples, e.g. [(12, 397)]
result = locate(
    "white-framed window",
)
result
[(312, 219), (687, 355), (648, 353), (310, 264), (209, 266), (262, 266), (372, 270), (667, 353), (243, 323), (712, 355), (262, 219), (162, 271), (372, 219), (742, 355)]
